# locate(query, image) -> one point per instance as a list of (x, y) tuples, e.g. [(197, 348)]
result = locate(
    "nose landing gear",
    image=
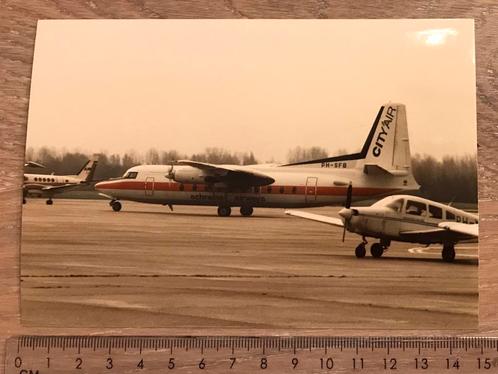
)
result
[(448, 253), (115, 205), (376, 250), (360, 250)]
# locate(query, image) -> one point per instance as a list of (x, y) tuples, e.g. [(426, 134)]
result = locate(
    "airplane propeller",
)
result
[(171, 174), (346, 212)]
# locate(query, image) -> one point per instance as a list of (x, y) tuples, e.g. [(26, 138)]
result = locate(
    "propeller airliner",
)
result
[(50, 184), (381, 168)]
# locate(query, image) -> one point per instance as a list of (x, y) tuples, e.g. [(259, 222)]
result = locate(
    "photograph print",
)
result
[(251, 174)]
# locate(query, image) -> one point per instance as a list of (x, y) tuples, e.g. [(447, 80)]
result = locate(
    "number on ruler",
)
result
[(421, 363)]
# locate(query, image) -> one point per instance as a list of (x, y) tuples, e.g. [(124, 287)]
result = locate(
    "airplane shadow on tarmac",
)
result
[(458, 261)]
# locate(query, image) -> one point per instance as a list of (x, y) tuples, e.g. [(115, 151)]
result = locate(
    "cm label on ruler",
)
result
[(237, 354)]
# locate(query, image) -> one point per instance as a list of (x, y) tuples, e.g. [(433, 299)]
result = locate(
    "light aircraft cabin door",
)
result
[(149, 186), (310, 190)]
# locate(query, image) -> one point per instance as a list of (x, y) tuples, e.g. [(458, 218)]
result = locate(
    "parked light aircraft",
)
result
[(403, 218), (381, 168), (50, 184)]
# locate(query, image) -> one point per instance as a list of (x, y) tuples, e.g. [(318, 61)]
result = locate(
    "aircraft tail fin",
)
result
[(387, 148), (87, 171)]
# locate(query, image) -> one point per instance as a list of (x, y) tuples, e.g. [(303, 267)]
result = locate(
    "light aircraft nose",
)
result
[(346, 213)]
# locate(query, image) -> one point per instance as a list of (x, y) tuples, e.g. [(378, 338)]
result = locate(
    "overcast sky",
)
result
[(250, 85)]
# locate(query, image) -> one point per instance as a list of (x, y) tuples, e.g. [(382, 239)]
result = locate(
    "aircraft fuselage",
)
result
[(293, 187)]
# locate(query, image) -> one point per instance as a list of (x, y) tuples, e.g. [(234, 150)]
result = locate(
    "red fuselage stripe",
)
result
[(273, 189)]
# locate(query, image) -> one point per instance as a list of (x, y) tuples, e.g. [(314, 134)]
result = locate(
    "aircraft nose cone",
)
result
[(100, 185), (346, 213)]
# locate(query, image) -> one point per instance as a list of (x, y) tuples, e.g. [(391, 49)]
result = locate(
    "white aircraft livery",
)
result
[(404, 218), (51, 184), (381, 168)]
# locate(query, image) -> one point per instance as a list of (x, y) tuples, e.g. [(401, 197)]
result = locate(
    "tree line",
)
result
[(449, 179)]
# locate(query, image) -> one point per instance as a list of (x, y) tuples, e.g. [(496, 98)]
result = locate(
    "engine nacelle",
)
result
[(191, 175)]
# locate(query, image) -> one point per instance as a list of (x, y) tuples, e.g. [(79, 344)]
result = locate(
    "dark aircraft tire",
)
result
[(224, 211), (376, 250), (116, 206), (24, 201), (246, 211), (360, 251), (49, 202), (448, 253)]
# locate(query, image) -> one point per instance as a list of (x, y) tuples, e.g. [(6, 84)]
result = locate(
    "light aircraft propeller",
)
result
[(347, 212)]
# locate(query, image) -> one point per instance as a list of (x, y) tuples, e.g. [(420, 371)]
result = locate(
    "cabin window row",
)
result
[(45, 179), (421, 209), (268, 189)]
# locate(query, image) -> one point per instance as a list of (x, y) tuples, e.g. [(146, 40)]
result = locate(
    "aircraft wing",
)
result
[(62, 188), (316, 217), (455, 231), (230, 175), (461, 228)]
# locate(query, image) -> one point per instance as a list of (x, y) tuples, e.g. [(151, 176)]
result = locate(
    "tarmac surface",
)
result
[(84, 265)]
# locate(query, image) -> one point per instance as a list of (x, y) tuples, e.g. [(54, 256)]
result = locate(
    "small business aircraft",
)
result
[(403, 218), (381, 168), (50, 184)]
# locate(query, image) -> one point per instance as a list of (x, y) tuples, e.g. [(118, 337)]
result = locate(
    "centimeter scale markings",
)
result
[(239, 354)]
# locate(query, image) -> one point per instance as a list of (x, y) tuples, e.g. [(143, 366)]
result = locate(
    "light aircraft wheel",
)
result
[(116, 206), (224, 211), (246, 211), (376, 250), (448, 253), (111, 202), (360, 250), (49, 202)]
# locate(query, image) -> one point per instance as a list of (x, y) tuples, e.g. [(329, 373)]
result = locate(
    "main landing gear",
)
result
[(246, 211), (115, 205), (376, 250), (448, 253), (49, 201), (225, 211)]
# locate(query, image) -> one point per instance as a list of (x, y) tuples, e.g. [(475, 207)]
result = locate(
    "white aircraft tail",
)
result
[(385, 151), (388, 144), (87, 171)]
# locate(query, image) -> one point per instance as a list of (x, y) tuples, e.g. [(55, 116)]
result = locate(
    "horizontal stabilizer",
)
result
[(374, 169), (32, 164), (316, 217)]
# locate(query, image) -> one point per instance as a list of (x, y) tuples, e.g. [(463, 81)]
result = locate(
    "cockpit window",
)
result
[(415, 208), (435, 212), (131, 175), (396, 205)]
